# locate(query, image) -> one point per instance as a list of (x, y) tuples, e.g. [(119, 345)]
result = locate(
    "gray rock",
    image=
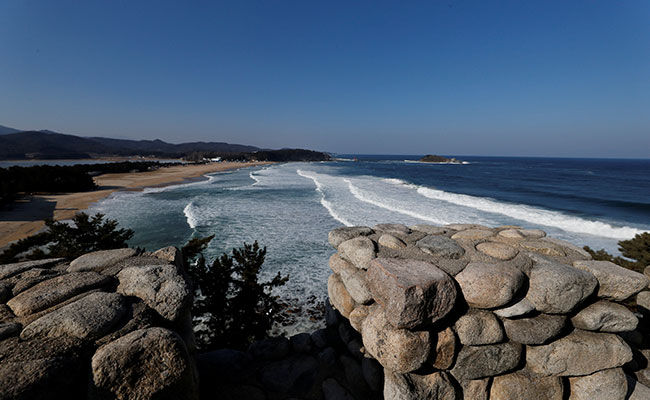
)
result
[(171, 254), (443, 357), (452, 267), (340, 235), (145, 364), (391, 242), (327, 356), (8, 270), (434, 386), (359, 251), (497, 250), (518, 385), (5, 291), (636, 390), (473, 234), (476, 362), (440, 246), (511, 234), (605, 316), (99, 260), (161, 287), (535, 330), (332, 390), (354, 280), (52, 291), (489, 285), (301, 342), (339, 296), (270, 349), (27, 279), (320, 338), (373, 373), (478, 327), (398, 350), (431, 229), (399, 229), (411, 292), (609, 384), (615, 282), (643, 301), (569, 246), (332, 316), (476, 389), (580, 353), (224, 366), (357, 316), (295, 374), (88, 318), (533, 233), (463, 227), (543, 247), (8, 329), (522, 307), (353, 375), (557, 288), (346, 333), (336, 263)]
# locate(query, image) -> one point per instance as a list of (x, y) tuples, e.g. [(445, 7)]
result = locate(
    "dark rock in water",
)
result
[(328, 356), (439, 159), (332, 390), (295, 374), (331, 315), (320, 338), (373, 373), (301, 343), (224, 366), (270, 349)]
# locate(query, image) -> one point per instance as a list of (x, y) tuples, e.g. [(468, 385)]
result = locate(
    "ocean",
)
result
[(290, 208)]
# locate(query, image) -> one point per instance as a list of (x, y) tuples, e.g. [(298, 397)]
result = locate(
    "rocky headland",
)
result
[(420, 312), (439, 159)]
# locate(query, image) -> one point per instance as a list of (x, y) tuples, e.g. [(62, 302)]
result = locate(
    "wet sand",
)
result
[(25, 217)]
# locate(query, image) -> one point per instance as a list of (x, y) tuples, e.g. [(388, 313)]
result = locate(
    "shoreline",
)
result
[(25, 217)]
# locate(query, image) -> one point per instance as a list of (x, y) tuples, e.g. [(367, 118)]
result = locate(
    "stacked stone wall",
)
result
[(470, 312), (110, 324)]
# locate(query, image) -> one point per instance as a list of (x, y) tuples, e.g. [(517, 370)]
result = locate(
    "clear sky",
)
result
[(551, 78)]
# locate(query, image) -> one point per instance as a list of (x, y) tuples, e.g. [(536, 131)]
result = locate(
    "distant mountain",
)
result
[(48, 144), (5, 130)]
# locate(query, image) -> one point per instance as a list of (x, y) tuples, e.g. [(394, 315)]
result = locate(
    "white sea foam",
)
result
[(328, 206), (255, 178), (532, 214), (361, 196), (190, 215), (209, 179)]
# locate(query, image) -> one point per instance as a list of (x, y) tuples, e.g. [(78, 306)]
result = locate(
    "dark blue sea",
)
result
[(291, 207)]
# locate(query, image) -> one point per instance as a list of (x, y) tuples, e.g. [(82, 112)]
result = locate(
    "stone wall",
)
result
[(110, 324), (465, 311)]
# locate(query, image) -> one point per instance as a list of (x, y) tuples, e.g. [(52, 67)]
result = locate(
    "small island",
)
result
[(439, 159)]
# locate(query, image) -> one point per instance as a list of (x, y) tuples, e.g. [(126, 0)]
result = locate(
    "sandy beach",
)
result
[(25, 217)]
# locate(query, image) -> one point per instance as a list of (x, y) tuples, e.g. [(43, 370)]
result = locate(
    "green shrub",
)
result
[(635, 251), (231, 307), (83, 235)]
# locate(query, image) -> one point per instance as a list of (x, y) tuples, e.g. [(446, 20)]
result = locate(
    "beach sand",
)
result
[(25, 217)]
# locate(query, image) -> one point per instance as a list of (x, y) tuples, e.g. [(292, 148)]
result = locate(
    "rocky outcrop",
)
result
[(86, 330), (467, 311)]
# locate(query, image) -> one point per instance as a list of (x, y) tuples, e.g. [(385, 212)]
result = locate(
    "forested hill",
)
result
[(51, 145)]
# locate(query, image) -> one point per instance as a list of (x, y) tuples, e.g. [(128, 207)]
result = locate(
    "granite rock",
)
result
[(609, 384), (558, 288), (518, 385), (519, 308), (339, 296), (497, 250), (398, 350), (478, 327), (433, 386), (8, 270), (535, 330), (392, 242), (98, 260), (476, 362), (359, 251), (489, 285), (411, 292), (440, 246), (340, 235), (605, 316), (614, 282), (580, 353)]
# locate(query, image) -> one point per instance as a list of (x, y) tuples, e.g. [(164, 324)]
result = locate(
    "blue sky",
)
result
[(549, 78)]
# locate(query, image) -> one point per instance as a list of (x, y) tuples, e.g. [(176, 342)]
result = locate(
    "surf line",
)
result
[(328, 206)]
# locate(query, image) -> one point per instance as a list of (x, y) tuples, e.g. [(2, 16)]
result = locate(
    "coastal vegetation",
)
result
[(85, 234), (283, 155), (62, 179), (232, 308), (635, 251)]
